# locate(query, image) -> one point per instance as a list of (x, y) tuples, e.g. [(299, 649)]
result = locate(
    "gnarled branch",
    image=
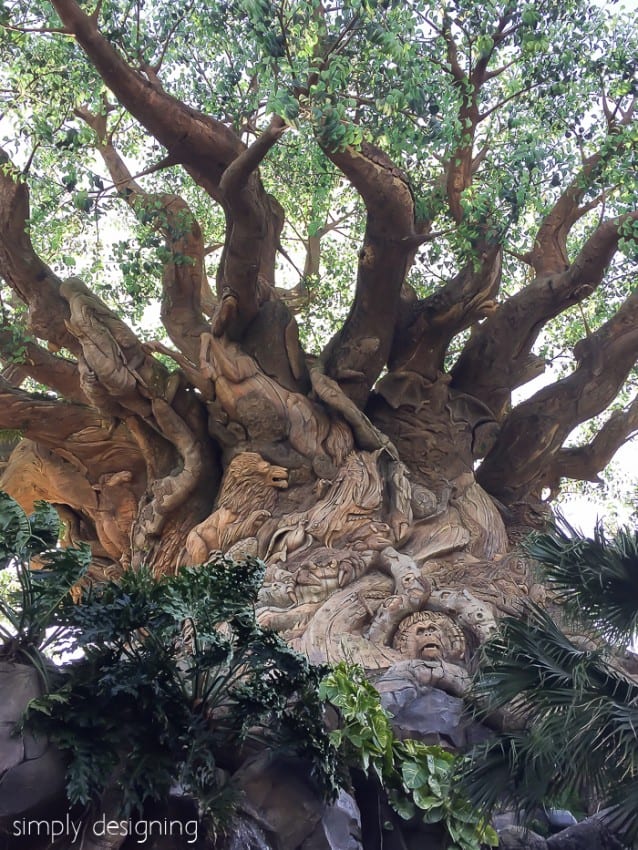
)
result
[(206, 148), (535, 430), (58, 373), (22, 268), (426, 327), (183, 276), (549, 253), (585, 463), (358, 352), (496, 358)]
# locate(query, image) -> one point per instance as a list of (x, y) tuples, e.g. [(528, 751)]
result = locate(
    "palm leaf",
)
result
[(596, 579)]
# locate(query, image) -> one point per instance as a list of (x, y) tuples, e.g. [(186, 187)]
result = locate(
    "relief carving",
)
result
[(247, 497), (364, 560)]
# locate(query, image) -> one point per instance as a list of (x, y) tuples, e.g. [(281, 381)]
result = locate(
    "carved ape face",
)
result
[(430, 636)]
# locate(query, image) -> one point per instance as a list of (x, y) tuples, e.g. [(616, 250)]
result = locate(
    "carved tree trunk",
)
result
[(358, 491)]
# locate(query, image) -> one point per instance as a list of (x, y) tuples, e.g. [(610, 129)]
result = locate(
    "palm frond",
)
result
[(596, 579)]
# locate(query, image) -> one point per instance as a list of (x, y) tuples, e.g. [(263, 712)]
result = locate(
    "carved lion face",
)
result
[(275, 476)]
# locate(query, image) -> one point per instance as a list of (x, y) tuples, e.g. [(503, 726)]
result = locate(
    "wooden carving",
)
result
[(247, 498)]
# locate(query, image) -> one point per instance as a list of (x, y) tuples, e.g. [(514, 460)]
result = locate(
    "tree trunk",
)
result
[(379, 543)]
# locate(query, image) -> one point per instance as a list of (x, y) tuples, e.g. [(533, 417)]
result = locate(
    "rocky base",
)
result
[(280, 808)]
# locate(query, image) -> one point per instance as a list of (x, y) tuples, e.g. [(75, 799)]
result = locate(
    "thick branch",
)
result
[(532, 435), (584, 463), (22, 268), (549, 253), (206, 148), (426, 327), (73, 431), (359, 351), (57, 373), (496, 359), (183, 277)]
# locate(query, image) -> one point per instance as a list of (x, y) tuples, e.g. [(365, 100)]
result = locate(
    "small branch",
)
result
[(183, 278), (585, 463), (57, 373), (235, 177), (549, 254), (21, 267), (426, 327), (495, 358)]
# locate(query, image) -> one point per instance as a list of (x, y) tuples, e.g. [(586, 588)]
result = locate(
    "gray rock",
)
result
[(247, 835), (590, 834), (18, 684), (520, 838), (11, 747), (279, 795), (339, 828), (32, 774), (426, 713), (558, 819), (34, 745), (31, 785), (505, 819)]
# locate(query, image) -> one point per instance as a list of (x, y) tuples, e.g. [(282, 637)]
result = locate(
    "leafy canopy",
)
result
[(338, 74)]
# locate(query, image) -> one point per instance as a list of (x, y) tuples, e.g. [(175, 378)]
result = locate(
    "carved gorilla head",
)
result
[(431, 636)]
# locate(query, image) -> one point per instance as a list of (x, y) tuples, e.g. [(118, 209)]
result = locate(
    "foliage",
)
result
[(418, 778), (595, 579), (574, 710), (382, 80), (34, 607), (175, 679)]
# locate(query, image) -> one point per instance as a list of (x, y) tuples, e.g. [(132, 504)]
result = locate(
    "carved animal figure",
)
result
[(249, 481), (430, 635)]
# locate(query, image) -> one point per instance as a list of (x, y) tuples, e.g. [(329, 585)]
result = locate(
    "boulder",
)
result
[(590, 834), (339, 827), (520, 838), (279, 796), (426, 713), (32, 773)]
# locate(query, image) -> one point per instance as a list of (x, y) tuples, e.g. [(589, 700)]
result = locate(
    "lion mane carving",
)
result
[(249, 480)]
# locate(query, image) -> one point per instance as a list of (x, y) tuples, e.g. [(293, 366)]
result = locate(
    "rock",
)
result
[(339, 828), (505, 819), (520, 838), (30, 785), (426, 713), (247, 835), (558, 819), (281, 798), (590, 834), (11, 747), (19, 683), (32, 774)]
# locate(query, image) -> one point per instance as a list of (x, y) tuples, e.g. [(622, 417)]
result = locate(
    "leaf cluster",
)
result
[(418, 779), (176, 679)]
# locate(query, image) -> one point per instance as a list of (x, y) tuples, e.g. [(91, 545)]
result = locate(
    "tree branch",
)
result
[(549, 253), (584, 463), (425, 328), (496, 358), (206, 148), (58, 373), (359, 351), (183, 278), (533, 433), (22, 268)]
